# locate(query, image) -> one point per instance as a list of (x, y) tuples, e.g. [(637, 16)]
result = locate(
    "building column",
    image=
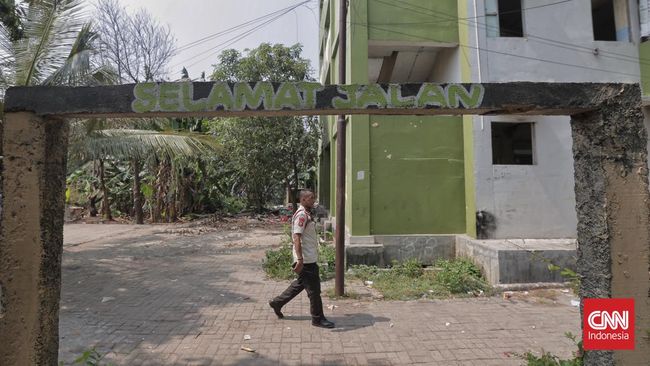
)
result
[(612, 203), (358, 174), (34, 151)]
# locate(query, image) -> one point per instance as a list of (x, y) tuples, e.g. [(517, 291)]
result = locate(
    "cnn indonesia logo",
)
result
[(608, 324)]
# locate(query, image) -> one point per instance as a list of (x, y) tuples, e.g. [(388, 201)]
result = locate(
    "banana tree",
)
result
[(138, 147)]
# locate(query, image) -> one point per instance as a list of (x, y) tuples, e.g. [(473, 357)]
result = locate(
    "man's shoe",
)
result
[(322, 323), (276, 309)]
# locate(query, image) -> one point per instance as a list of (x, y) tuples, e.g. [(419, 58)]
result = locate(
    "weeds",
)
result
[(277, 263), (460, 276), (330, 292), (89, 357), (549, 359), (569, 275), (408, 280)]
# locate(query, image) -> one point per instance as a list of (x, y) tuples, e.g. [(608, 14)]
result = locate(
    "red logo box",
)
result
[(608, 324)]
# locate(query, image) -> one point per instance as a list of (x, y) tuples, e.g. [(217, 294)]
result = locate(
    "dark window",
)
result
[(510, 19), (602, 16), (512, 143)]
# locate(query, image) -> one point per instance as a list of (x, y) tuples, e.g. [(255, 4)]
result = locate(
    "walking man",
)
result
[(305, 263)]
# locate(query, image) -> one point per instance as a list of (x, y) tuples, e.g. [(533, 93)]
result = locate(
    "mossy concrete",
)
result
[(612, 201)]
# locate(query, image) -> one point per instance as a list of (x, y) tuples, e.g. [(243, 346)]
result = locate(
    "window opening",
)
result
[(504, 18), (512, 143)]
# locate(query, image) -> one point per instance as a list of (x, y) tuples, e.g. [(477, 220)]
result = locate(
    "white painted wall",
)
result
[(447, 66), (544, 29), (529, 201), (538, 201)]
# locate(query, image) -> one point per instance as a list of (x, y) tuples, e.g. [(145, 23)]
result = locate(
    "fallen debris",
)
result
[(247, 349)]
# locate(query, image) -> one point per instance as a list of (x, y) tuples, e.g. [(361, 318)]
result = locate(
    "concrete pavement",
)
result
[(169, 295)]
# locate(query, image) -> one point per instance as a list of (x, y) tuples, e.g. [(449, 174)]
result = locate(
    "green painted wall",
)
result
[(470, 182), (417, 178), (420, 189), (324, 171), (332, 205), (358, 190), (644, 54), (412, 20), (468, 123)]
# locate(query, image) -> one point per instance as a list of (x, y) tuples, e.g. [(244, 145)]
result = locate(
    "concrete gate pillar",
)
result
[(613, 207), (31, 246)]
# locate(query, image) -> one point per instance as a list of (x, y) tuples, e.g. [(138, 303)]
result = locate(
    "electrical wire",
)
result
[(560, 44), (234, 28), (211, 51), (502, 53)]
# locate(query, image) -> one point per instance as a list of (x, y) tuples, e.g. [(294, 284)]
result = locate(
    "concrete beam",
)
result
[(273, 99), (612, 203), (31, 246), (387, 68)]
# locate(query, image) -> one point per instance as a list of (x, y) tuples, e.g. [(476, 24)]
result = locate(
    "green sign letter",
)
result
[(262, 93), (350, 91), (457, 94), (146, 95), (431, 95), (220, 96), (287, 97), (169, 97)]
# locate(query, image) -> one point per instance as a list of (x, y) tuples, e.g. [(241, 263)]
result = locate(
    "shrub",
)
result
[(460, 276), (411, 268), (277, 263)]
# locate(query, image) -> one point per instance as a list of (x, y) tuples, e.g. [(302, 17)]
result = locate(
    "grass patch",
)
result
[(277, 263), (408, 280), (330, 292)]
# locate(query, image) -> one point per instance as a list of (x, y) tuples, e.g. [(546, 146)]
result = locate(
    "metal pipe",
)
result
[(339, 282)]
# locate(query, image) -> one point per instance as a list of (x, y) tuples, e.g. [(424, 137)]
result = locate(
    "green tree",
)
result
[(10, 19), (267, 154), (136, 147), (46, 42)]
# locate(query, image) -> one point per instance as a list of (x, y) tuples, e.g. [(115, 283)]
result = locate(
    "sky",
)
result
[(192, 20)]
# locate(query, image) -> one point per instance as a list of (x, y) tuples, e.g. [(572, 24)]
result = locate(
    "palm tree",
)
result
[(56, 47), (137, 146), (46, 42)]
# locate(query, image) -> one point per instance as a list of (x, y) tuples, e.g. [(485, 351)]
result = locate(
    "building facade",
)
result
[(423, 179)]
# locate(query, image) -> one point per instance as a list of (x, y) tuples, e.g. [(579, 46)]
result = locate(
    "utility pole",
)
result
[(339, 284)]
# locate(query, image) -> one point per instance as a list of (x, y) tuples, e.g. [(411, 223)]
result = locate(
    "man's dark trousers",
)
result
[(309, 280)]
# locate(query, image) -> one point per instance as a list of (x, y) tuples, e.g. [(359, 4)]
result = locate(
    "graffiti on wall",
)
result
[(180, 97)]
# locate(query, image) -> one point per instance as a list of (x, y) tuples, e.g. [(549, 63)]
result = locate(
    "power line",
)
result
[(239, 26), (419, 9), (232, 40), (474, 17), (517, 11), (503, 53)]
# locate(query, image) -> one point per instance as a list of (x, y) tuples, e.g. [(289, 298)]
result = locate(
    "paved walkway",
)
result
[(163, 295)]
